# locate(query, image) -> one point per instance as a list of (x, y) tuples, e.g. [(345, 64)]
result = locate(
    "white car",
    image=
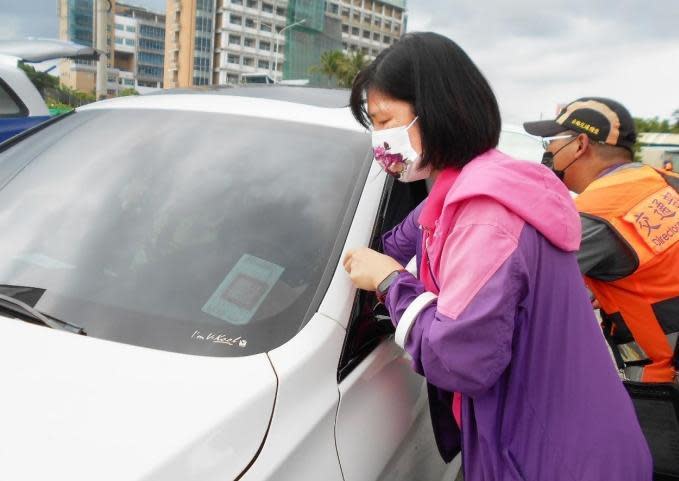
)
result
[(186, 251), (21, 105)]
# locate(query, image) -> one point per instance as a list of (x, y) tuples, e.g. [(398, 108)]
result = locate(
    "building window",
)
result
[(203, 43), (148, 71), (250, 23), (263, 64), (345, 12), (233, 59), (119, 27), (376, 36), (387, 24), (248, 61), (377, 22), (267, 8), (237, 2), (253, 4), (386, 40), (149, 31), (129, 41), (203, 24), (205, 5), (334, 8), (345, 28), (236, 19), (131, 28), (357, 16), (366, 34), (265, 27), (151, 58), (365, 50), (146, 44), (345, 46), (128, 81), (231, 78), (234, 39), (375, 52), (249, 42), (119, 41), (280, 11), (265, 45)]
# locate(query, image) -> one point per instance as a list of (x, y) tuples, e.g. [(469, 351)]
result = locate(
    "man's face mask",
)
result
[(548, 161), (395, 154)]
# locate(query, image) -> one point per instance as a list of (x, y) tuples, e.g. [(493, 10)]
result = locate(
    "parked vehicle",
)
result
[(21, 105), (194, 241)]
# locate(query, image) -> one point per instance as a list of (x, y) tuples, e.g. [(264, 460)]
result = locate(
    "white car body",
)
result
[(79, 408)]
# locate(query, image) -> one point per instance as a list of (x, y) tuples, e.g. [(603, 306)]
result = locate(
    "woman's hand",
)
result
[(367, 268)]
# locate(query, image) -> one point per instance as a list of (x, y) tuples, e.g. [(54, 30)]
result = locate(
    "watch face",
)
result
[(384, 285)]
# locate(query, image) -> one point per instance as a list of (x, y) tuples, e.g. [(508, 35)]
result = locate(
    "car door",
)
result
[(383, 429)]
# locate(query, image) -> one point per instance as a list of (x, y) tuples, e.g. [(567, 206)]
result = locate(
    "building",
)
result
[(189, 47), (219, 41), (369, 26), (76, 24), (139, 41), (660, 150)]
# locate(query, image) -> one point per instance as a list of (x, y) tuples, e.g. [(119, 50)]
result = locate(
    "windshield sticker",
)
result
[(240, 294), (219, 338)]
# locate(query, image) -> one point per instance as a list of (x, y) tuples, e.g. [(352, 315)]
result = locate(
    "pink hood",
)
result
[(529, 190)]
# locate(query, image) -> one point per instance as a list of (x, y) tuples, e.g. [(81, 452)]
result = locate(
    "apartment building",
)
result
[(369, 26), (76, 24), (217, 42), (139, 44)]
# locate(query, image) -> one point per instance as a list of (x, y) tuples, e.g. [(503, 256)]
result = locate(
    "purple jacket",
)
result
[(500, 314)]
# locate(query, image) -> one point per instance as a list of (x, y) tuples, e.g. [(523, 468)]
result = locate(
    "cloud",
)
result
[(535, 54), (538, 56)]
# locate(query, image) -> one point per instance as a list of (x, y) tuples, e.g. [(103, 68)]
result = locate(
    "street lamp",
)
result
[(276, 53)]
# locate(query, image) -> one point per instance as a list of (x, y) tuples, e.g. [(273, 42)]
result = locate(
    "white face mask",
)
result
[(395, 154)]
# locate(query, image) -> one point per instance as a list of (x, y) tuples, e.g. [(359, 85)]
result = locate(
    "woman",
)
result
[(498, 320)]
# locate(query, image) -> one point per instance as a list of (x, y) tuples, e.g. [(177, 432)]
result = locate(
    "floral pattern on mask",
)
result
[(394, 164)]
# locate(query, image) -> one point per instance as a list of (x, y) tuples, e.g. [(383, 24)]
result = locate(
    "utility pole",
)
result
[(276, 52), (101, 9)]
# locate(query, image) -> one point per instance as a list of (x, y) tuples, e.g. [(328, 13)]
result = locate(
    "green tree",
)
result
[(657, 125), (41, 80), (331, 65), (127, 92), (352, 64)]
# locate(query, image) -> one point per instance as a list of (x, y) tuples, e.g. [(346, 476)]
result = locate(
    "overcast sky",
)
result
[(536, 54)]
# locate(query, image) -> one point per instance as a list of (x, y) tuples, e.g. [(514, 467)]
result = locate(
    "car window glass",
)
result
[(8, 106), (369, 321), (192, 232)]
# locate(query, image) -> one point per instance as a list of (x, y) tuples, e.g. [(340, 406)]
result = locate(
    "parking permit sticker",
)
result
[(243, 290), (656, 219)]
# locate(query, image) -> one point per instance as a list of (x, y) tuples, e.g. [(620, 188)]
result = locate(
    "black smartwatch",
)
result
[(383, 286)]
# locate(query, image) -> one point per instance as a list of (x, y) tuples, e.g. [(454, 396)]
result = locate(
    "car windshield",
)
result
[(199, 233)]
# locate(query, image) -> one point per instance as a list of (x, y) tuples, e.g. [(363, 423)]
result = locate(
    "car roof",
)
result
[(317, 97), (316, 106)]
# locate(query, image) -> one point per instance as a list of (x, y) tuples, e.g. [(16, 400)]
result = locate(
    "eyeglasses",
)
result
[(548, 140)]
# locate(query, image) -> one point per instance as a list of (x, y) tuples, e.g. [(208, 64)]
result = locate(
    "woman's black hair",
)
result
[(458, 114)]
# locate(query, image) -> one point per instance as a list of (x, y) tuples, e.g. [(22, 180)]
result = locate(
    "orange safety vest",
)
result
[(640, 312)]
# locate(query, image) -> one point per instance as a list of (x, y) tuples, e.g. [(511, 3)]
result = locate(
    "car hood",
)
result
[(80, 408)]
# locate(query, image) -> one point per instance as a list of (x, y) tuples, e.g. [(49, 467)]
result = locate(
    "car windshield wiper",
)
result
[(17, 306)]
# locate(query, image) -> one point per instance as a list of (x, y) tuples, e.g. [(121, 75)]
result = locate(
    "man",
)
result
[(630, 232)]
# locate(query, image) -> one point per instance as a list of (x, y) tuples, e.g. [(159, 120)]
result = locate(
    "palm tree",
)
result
[(332, 65), (353, 63)]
